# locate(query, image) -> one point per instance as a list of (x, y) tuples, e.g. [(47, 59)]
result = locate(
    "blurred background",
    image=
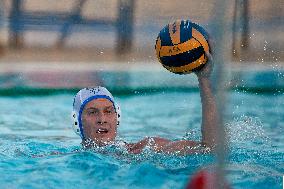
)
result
[(82, 34)]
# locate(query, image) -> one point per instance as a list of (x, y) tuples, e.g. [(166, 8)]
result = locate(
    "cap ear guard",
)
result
[(75, 124), (118, 113)]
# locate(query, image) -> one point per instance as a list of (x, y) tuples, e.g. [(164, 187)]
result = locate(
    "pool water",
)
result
[(33, 128)]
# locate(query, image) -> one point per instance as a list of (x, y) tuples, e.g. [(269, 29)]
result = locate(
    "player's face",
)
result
[(99, 121)]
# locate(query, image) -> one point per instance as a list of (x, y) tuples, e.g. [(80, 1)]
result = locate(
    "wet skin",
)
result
[(99, 121)]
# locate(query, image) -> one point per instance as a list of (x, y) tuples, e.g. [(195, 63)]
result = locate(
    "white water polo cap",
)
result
[(84, 96)]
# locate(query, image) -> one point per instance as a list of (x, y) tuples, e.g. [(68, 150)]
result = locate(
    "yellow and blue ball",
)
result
[(181, 47)]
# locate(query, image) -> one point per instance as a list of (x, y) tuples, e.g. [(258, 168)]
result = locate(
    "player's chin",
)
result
[(105, 139)]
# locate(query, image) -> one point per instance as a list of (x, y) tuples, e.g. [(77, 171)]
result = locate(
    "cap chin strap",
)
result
[(75, 121)]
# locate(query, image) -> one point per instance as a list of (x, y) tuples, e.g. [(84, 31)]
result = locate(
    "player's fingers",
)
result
[(209, 56)]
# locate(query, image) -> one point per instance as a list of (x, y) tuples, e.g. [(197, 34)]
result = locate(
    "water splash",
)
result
[(245, 129)]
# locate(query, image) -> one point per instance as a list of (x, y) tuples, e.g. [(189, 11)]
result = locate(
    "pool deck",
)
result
[(132, 76)]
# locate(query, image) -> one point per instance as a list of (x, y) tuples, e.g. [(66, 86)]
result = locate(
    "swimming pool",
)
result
[(32, 127)]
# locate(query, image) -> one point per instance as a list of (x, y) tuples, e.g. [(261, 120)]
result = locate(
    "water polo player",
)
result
[(96, 118)]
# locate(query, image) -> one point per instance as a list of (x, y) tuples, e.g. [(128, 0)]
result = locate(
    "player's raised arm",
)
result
[(180, 48), (209, 107)]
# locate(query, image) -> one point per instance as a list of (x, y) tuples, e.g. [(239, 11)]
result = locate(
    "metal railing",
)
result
[(240, 18), (21, 21)]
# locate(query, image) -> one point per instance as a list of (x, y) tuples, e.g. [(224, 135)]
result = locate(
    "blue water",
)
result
[(34, 128)]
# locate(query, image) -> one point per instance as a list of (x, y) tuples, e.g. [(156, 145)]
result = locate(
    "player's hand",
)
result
[(206, 70)]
